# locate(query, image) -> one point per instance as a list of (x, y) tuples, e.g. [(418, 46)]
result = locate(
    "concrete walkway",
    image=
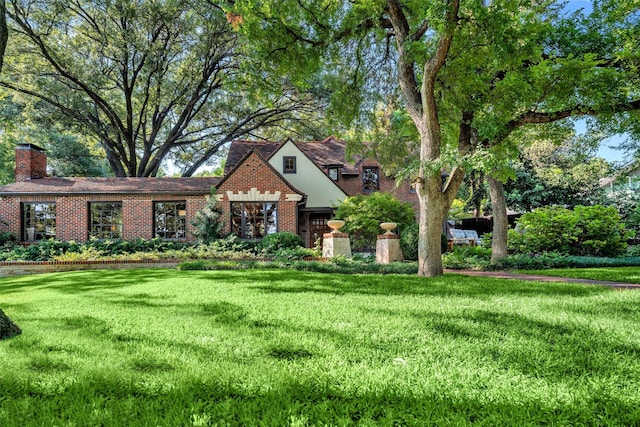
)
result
[(540, 278)]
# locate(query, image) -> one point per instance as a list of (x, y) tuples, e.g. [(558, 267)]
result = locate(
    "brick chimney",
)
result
[(31, 162)]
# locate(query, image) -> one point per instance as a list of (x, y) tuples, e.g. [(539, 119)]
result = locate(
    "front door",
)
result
[(318, 227)]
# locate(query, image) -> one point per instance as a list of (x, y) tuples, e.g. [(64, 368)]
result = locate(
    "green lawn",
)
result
[(613, 274), (285, 348)]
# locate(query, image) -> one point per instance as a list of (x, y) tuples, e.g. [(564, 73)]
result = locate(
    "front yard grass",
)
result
[(288, 348), (614, 274)]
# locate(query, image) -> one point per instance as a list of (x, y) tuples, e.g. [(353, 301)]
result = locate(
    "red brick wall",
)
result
[(72, 218), (72, 213), (256, 173), (10, 215), (31, 163), (353, 185)]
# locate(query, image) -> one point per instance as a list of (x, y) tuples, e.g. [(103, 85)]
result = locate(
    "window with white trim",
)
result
[(289, 164)]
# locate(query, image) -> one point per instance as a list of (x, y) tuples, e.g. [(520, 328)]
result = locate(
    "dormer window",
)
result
[(289, 164), (333, 173), (370, 179)]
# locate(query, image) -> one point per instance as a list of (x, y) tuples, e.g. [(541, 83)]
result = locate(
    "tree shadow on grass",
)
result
[(447, 285), (315, 402), (291, 281), (83, 281)]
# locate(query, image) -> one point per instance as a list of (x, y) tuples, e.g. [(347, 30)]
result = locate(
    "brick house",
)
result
[(267, 187), (311, 178)]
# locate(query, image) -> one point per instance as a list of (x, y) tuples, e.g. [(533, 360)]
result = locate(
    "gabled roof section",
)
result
[(240, 148), (86, 186), (263, 160), (321, 190), (328, 152)]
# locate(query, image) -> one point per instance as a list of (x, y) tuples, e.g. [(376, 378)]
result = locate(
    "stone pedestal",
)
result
[(388, 249), (336, 244)]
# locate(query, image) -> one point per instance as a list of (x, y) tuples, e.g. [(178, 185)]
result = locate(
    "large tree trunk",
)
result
[(4, 32), (433, 210), (500, 220)]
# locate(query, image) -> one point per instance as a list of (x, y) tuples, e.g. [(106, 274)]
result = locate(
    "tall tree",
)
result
[(447, 54), (151, 80)]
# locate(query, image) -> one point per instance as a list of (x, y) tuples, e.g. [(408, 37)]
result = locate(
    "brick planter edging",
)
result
[(16, 268), (140, 261)]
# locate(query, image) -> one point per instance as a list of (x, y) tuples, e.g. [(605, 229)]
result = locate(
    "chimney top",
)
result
[(28, 146)]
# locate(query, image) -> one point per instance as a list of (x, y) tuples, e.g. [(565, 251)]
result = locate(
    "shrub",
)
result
[(233, 243), (7, 240), (633, 250), (272, 243), (298, 253), (586, 230), (409, 242), (207, 223), (467, 257), (553, 260), (364, 213)]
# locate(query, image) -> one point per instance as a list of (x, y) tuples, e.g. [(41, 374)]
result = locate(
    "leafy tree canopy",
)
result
[(150, 81), (69, 152), (468, 74)]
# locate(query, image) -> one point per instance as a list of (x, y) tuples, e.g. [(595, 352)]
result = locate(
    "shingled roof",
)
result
[(328, 152), (75, 186), (240, 148)]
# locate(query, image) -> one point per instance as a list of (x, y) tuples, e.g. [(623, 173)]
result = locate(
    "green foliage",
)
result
[(233, 243), (409, 241), (150, 81), (586, 230), (207, 223), (48, 250), (467, 258), (7, 240), (272, 243), (550, 260), (292, 254), (363, 215), (608, 273), (558, 168), (627, 202)]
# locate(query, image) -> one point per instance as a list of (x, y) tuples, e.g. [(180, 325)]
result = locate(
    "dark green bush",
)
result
[(287, 254), (553, 260), (272, 243), (7, 239), (467, 258), (586, 230), (233, 243), (45, 250), (409, 242), (208, 224)]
